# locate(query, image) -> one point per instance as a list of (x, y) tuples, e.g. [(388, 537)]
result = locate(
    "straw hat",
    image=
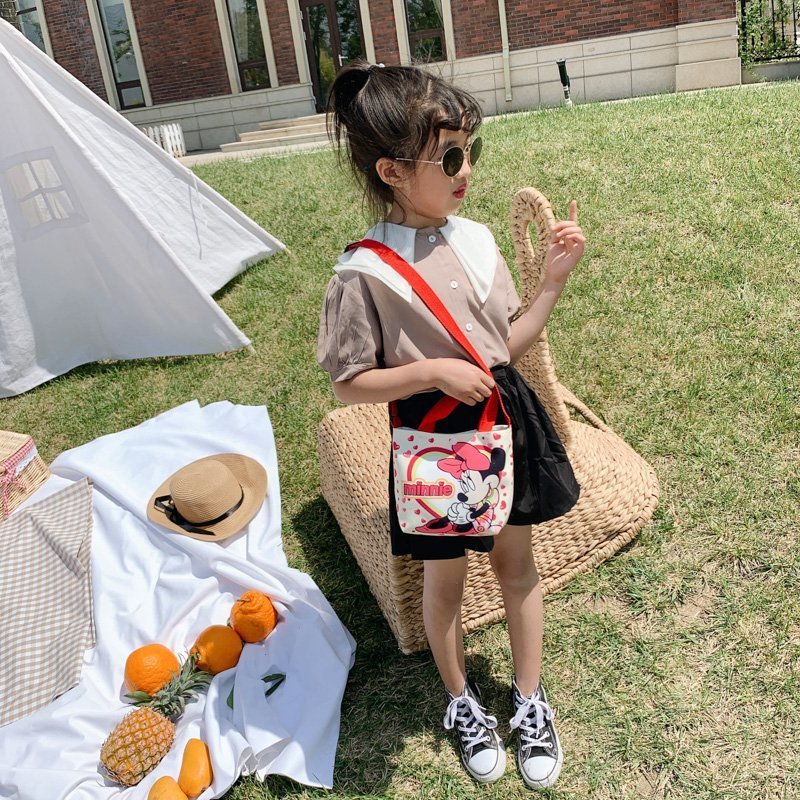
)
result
[(211, 498)]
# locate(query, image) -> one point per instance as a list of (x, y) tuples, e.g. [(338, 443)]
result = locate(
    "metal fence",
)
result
[(769, 30)]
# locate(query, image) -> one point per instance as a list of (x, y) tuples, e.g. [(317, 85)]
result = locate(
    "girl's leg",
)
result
[(482, 751), (539, 754), (512, 561), (443, 590)]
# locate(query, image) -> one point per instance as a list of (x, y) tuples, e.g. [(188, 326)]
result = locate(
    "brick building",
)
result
[(219, 67), (8, 12)]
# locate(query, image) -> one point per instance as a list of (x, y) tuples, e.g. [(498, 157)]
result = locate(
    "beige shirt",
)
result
[(366, 323)]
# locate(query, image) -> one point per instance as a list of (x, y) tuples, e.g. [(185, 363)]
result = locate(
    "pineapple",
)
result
[(144, 737), (137, 745)]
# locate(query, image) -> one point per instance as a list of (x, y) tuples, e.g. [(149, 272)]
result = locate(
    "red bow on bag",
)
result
[(468, 457)]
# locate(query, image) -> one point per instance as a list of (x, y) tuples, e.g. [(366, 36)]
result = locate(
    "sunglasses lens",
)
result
[(475, 151), (452, 161)]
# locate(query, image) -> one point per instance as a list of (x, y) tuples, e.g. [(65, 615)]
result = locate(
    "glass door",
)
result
[(332, 30)]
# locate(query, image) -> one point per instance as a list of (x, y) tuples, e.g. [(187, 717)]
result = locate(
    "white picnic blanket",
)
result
[(153, 585)]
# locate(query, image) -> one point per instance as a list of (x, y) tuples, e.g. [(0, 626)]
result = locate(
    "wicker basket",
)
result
[(22, 470), (619, 490)]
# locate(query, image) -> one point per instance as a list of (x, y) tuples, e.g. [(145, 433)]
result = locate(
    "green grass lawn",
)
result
[(674, 667)]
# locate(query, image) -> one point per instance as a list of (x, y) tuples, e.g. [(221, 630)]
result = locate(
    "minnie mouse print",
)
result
[(452, 488), (478, 477)]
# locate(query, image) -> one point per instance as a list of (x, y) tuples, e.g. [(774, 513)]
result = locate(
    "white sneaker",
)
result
[(482, 751), (539, 755)]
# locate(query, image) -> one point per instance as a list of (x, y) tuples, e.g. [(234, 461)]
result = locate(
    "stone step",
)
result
[(279, 133), (311, 139), (293, 122)]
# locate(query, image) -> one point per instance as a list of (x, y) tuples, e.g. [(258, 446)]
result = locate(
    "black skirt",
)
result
[(544, 483)]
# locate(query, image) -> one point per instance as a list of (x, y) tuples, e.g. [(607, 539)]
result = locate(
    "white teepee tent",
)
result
[(109, 248)]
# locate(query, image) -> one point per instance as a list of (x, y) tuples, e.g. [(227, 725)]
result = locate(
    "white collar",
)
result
[(472, 243)]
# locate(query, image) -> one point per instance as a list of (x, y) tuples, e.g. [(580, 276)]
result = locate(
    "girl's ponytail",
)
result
[(349, 82), (342, 99)]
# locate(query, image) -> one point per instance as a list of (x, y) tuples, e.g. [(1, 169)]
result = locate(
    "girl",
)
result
[(411, 140)]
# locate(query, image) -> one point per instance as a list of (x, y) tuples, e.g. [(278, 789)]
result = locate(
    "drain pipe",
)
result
[(501, 7)]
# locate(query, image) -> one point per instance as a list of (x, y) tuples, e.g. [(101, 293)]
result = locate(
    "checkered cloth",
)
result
[(46, 620)]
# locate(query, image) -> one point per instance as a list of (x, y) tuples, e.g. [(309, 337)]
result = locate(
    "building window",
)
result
[(119, 42), (425, 30), (30, 23), (248, 41)]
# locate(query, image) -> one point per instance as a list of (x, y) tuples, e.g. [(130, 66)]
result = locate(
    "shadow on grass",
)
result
[(110, 369), (390, 697)]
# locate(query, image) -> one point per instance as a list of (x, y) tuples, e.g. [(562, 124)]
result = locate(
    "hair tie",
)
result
[(372, 67)]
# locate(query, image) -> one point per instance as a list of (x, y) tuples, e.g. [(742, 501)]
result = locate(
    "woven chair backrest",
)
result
[(531, 207)]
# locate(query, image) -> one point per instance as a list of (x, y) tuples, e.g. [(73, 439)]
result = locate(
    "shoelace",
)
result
[(472, 722), (531, 716)]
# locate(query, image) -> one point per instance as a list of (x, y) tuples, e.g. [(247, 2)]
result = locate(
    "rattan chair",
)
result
[(619, 490)]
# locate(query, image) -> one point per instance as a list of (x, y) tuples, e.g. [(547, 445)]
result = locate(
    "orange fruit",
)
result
[(196, 774), (253, 616), (150, 668), (218, 648), (166, 789)]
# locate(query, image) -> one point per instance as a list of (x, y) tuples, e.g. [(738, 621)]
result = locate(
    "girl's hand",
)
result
[(567, 244), (461, 380)]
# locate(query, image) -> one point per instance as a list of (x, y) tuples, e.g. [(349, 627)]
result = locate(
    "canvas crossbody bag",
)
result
[(450, 484)]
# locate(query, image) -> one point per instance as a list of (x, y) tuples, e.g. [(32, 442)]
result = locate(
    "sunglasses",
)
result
[(453, 158)]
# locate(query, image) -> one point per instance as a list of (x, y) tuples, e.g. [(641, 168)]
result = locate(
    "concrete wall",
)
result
[(214, 121), (775, 71)]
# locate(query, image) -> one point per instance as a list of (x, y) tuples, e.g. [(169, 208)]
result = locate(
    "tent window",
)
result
[(30, 23), (425, 30), (119, 42), (42, 197), (248, 40)]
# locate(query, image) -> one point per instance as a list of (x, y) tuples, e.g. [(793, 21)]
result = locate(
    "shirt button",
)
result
[(468, 326), (431, 238), (454, 284)]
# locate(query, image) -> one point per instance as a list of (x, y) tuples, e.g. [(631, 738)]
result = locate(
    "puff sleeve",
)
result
[(349, 339)]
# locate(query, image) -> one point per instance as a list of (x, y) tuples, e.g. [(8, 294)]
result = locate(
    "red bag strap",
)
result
[(443, 408)]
